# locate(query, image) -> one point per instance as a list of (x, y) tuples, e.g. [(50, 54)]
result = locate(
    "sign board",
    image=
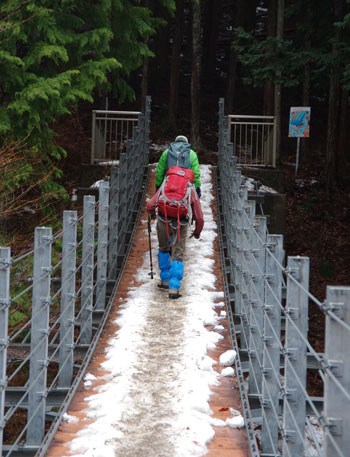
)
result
[(299, 122)]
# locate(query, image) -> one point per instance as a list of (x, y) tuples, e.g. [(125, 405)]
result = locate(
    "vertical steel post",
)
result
[(247, 273), (5, 262), (113, 222), (257, 302), (272, 342), (243, 290), (101, 277), (337, 404), (239, 248), (69, 246), (274, 143), (294, 407), (39, 335), (122, 220), (93, 137), (87, 272)]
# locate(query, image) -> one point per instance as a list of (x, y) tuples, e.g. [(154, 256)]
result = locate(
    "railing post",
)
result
[(294, 402), (274, 142), (39, 335), (87, 272), (272, 350), (122, 220), (337, 344), (69, 246), (113, 222), (239, 285), (93, 137), (257, 271), (5, 262), (101, 277)]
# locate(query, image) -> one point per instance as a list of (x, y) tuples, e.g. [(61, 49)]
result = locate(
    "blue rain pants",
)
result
[(176, 274), (164, 265)]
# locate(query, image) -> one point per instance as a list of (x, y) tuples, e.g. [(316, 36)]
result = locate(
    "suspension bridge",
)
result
[(106, 365)]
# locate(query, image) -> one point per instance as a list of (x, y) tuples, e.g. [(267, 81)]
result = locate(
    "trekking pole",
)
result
[(150, 246)]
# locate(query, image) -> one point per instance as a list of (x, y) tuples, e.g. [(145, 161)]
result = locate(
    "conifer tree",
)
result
[(55, 53)]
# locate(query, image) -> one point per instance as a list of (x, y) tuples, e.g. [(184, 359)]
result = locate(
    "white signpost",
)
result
[(299, 127)]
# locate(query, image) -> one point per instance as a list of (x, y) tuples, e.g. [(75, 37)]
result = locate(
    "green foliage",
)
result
[(268, 60), (312, 40), (55, 53), (326, 269)]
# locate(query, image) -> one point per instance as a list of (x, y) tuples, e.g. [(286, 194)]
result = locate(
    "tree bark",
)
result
[(144, 82), (305, 142), (333, 105), (343, 142), (175, 63), (271, 32), (212, 13), (161, 62), (145, 71), (195, 82), (278, 87), (238, 21)]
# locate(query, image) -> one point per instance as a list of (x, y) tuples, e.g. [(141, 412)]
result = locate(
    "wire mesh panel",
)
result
[(110, 132), (296, 399), (253, 139)]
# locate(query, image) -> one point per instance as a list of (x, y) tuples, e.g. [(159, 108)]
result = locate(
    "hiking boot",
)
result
[(174, 294), (163, 285)]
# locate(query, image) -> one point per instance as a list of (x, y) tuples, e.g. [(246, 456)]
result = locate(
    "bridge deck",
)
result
[(226, 442)]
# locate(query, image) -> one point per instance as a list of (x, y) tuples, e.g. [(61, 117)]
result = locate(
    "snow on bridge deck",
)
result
[(155, 386)]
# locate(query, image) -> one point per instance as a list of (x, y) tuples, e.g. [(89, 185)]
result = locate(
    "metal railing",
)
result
[(111, 130), (254, 139), (43, 359), (269, 318)]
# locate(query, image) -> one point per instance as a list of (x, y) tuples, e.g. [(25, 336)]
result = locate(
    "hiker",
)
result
[(176, 202), (179, 154)]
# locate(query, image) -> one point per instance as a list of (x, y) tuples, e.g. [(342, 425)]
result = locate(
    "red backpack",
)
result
[(174, 198)]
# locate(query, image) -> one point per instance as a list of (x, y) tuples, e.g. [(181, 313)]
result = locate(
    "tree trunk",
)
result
[(305, 142), (144, 82), (278, 87), (212, 13), (145, 70), (175, 63), (238, 21), (333, 106), (195, 83), (271, 32), (161, 63), (343, 142)]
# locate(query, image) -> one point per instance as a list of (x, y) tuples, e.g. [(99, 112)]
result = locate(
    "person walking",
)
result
[(181, 155), (172, 225)]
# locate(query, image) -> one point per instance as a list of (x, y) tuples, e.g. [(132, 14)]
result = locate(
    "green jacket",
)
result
[(161, 168)]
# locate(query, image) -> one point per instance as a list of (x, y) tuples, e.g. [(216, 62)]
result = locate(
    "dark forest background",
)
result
[(59, 59)]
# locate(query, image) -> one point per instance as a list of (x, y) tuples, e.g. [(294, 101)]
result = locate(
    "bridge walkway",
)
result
[(155, 386)]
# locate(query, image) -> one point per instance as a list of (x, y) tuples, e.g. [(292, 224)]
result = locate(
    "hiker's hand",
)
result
[(195, 235), (198, 190)]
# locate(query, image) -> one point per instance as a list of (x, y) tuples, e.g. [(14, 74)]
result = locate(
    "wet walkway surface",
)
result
[(155, 387)]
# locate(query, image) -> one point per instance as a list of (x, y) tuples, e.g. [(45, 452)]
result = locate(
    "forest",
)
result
[(59, 59)]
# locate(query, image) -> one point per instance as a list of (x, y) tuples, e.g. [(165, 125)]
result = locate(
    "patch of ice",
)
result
[(227, 358), (235, 421), (228, 371), (70, 419)]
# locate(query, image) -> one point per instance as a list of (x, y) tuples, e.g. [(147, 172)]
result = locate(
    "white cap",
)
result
[(181, 138)]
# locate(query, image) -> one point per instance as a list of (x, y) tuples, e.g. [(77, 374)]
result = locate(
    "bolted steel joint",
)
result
[(291, 312), (335, 426), (5, 305), (3, 344)]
